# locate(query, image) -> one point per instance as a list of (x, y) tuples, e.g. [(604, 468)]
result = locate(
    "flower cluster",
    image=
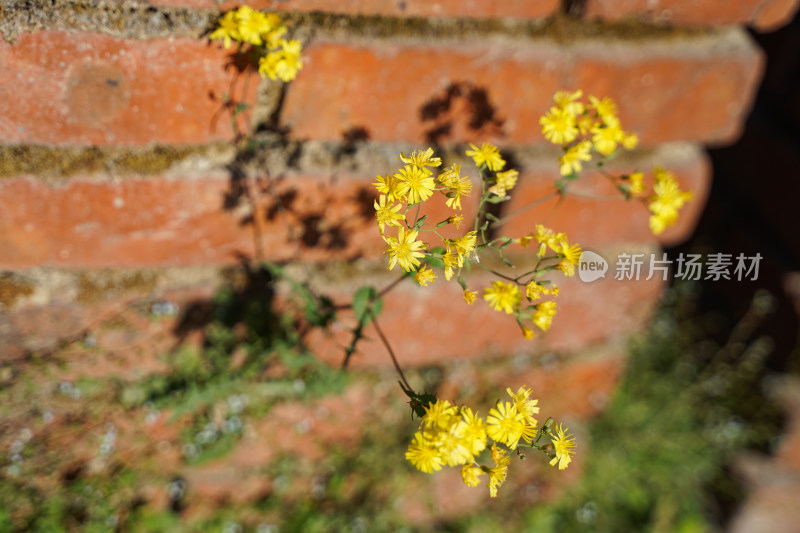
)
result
[(584, 129), (279, 58), (457, 436), (415, 183)]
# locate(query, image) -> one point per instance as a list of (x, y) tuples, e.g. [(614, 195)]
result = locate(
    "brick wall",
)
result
[(116, 160)]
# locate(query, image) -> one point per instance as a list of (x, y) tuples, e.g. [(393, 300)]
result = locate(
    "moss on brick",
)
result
[(98, 285), (12, 287), (46, 161)]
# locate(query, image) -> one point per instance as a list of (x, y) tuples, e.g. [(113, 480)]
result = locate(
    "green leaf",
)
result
[(507, 262), (361, 300), (434, 261), (491, 217)]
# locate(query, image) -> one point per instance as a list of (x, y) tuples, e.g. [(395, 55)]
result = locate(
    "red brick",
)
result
[(160, 221), (395, 8), (595, 223), (668, 89), (765, 15), (71, 88)]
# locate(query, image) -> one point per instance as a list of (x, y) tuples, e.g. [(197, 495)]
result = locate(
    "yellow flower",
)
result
[(459, 188), (469, 296), (387, 214), (505, 424), (439, 415), (558, 126), (572, 158), (453, 445), (666, 201), (252, 24), (273, 30), (572, 255), (283, 63), (456, 221), (450, 262), (502, 296), (505, 182), (543, 316), (637, 185), (564, 446), (498, 473), (405, 249), (605, 107), (464, 246), (228, 29), (425, 276), (528, 333), (423, 454), (421, 159), (471, 474), (630, 141), (414, 182), (535, 290), (487, 154), (474, 431), (606, 137), (450, 176), (389, 186), (567, 101), (528, 407)]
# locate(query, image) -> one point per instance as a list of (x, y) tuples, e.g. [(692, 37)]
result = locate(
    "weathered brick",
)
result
[(765, 15), (73, 88), (395, 8), (668, 89)]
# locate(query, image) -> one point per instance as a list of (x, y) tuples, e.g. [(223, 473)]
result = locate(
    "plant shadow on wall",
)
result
[(461, 105)]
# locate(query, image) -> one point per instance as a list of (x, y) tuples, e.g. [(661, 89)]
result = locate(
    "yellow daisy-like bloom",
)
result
[(387, 214), (572, 159), (534, 291), (228, 29), (439, 414), (464, 246), (558, 126), (630, 141), (502, 296), (389, 185), (568, 102), (524, 404), (471, 475), (414, 182), (564, 445), (505, 424), (453, 446), (405, 250), (450, 176), (274, 30), (423, 454), (474, 431), (470, 296), (487, 154), (252, 24), (505, 182), (421, 159), (450, 263), (606, 138), (605, 107), (498, 473), (283, 63), (543, 316), (572, 255), (666, 201), (456, 221), (460, 187), (425, 276), (637, 183)]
